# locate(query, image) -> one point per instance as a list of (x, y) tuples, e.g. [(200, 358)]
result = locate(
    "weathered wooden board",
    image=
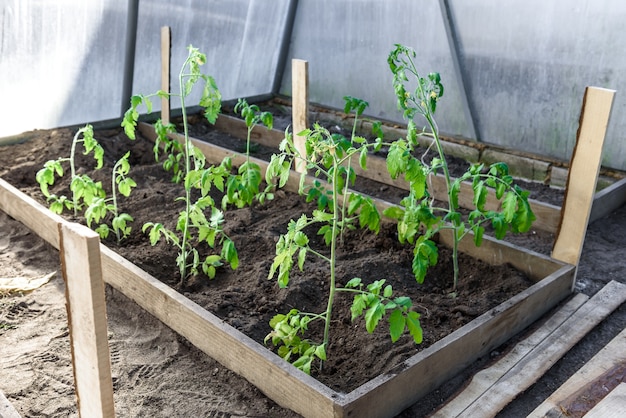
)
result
[(87, 323), (613, 406), (166, 42), (539, 360), (589, 375), (583, 174), (300, 113), (484, 379), (608, 199)]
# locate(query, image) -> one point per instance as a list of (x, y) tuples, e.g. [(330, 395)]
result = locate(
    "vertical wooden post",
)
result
[(583, 174), (166, 43), (300, 106), (86, 315)]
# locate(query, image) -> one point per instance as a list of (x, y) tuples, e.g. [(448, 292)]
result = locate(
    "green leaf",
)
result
[(397, 322), (480, 195), (479, 231), (396, 159), (229, 253), (301, 258), (509, 206), (394, 212), (373, 316), (354, 283), (414, 326), (359, 303), (320, 352)]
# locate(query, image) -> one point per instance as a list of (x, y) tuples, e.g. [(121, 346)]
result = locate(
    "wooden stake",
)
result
[(300, 106), (86, 315), (583, 174), (166, 43)]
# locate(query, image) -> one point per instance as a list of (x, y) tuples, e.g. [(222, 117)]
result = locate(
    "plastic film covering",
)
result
[(241, 39), (347, 44), (527, 66), (58, 61)]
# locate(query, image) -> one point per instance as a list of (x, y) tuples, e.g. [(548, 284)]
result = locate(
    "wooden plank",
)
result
[(86, 315), (485, 379), (300, 107), (26, 210), (583, 174), (613, 406), (6, 408), (237, 128), (614, 353), (539, 360), (493, 251), (386, 395), (278, 379), (166, 46), (608, 200)]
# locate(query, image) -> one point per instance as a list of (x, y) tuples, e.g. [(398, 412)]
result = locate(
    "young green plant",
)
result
[(337, 209), (244, 187), (200, 221), (101, 206), (83, 188), (419, 220)]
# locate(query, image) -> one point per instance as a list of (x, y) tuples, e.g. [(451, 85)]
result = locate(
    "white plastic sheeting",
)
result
[(241, 38), (527, 65), (59, 61), (347, 44)]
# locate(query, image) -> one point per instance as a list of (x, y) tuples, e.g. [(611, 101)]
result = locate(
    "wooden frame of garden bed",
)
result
[(385, 395)]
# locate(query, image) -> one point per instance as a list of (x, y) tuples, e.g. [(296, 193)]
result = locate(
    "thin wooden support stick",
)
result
[(300, 106), (583, 174), (86, 315), (166, 46)]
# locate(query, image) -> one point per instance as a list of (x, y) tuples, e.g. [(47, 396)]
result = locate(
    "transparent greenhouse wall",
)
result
[(347, 43), (241, 38), (525, 64), (58, 61), (528, 63)]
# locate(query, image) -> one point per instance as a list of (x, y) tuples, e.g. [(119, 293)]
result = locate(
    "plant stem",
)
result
[(333, 245), (73, 169), (117, 232), (345, 189), (183, 265), (444, 165)]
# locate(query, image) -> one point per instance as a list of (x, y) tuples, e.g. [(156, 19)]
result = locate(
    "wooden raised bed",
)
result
[(386, 395)]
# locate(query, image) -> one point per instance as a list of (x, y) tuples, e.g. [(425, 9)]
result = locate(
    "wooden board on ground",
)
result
[(613, 406), (596, 372), (528, 369)]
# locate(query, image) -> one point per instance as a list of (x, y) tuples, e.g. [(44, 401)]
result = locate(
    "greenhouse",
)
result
[(316, 208)]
